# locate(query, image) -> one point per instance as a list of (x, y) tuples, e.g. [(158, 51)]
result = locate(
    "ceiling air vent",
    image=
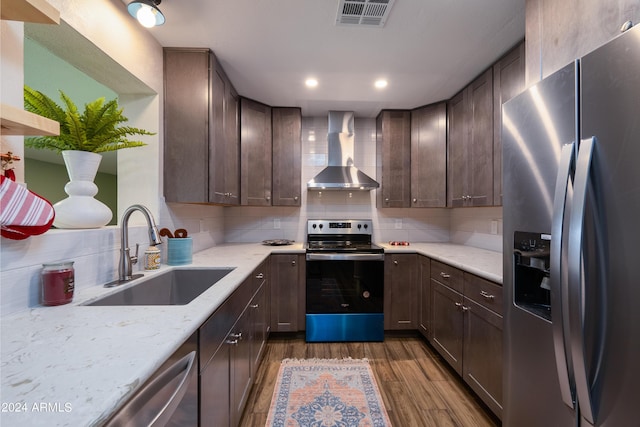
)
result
[(365, 13)]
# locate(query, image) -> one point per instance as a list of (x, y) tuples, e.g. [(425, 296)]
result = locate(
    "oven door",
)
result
[(344, 297)]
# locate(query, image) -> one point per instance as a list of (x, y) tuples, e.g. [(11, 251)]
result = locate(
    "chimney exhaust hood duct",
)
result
[(341, 174)]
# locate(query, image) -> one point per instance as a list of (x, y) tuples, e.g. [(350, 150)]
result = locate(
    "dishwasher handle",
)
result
[(141, 410)]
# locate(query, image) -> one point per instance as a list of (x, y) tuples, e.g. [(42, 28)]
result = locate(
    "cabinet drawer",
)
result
[(447, 275), (484, 292)]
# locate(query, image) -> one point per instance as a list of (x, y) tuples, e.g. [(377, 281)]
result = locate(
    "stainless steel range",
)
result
[(345, 282)]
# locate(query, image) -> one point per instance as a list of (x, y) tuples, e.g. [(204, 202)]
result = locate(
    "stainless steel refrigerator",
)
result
[(571, 159)]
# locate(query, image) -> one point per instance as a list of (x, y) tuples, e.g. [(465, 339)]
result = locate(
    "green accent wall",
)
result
[(47, 73)]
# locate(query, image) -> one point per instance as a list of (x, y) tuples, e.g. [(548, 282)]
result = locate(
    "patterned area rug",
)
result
[(326, 393)]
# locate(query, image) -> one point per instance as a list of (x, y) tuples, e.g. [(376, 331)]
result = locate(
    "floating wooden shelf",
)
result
[(15, 121), (37, 11)]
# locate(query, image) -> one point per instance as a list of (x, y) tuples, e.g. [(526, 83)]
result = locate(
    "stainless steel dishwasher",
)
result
[(169, 398)]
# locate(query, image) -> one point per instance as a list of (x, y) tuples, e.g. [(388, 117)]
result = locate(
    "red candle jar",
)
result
[(57, 283)]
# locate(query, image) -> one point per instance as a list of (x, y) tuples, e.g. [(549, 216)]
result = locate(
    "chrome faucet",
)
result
[(126, 260)]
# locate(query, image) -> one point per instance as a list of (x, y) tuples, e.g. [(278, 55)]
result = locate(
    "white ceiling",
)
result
[(427, 50)]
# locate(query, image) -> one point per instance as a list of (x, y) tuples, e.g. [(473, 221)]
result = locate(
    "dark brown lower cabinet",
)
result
[(467, 332), (425, 313), (400, 281), (448, 324), (231, 342), (288, 275), (482, 367)]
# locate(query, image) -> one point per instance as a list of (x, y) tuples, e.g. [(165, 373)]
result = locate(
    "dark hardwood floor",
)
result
[(417, 387)]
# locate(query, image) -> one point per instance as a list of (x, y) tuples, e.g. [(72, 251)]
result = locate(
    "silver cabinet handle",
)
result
[(465, 308), (268, 198), (236, 335), (293, 262), (295, 198), (444, 275), (386, 200), (559, 291), (458, 304), (486, 295), (415, 200), (231, 342), (254, 305), (395, 262), (259, 276)]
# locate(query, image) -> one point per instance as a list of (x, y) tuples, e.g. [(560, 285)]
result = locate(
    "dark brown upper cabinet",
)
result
[(201, 142), (393, 144), (429, 156), (255, 153), (287, 161)]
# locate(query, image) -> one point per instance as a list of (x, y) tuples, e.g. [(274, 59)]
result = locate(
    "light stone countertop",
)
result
[(73, 365)]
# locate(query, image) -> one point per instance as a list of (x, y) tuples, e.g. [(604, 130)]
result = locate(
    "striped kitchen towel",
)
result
[(22, 212)]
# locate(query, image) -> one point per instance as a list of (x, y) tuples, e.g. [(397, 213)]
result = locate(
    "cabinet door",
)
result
[(508, 81), (483, 354), (287, 144), (480, 145), (255, 153), (394, 148), (259, 326), (425, 310), (217, 150), (285, 296), (186, 130), (231, 146), (458, 135), (400, 291), (429, 156), (448, 324), (215, 403), (240, 365)]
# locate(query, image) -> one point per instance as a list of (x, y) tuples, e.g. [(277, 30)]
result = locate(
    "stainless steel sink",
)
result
[(175, 287)]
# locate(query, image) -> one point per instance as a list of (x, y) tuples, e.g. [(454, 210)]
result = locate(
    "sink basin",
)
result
[(175, 287)]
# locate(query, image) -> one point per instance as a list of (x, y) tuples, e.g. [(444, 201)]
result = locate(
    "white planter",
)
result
[(80, 209)]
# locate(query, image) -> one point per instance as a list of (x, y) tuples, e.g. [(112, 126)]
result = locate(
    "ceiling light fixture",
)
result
[(311, 82), (380, 84), (146, 12)]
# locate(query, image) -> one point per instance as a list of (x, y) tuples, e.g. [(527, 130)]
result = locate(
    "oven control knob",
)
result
[(366, 294), (320, 226), (366, 226), (359, 226), (314, 226)]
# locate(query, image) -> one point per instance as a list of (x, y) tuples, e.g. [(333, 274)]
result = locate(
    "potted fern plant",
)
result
[(83, 136)]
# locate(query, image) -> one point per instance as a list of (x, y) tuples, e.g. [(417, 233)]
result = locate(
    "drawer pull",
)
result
[(254, 305), (444, 275), (465, 308), (260, 276), (486, 295), (459, 304), (237, 336), (293, 263), (231, 342), (395, 262)]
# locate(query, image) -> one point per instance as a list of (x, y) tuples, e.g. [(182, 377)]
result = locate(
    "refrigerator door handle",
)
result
[(559, 288), (576, 287)]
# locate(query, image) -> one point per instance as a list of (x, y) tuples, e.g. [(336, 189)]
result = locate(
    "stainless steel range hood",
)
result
[(341, 174)]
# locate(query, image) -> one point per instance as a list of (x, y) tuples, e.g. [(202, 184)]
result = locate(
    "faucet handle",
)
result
[(134, 258)]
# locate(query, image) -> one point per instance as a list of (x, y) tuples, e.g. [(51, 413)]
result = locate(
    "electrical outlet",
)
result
[(276, 223), (399, 224), (494, 226)]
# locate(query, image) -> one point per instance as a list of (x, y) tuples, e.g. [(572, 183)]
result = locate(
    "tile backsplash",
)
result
[(95, 252)]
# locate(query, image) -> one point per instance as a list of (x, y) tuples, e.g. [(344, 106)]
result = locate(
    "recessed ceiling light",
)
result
[(380, 84), (311, 82)]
